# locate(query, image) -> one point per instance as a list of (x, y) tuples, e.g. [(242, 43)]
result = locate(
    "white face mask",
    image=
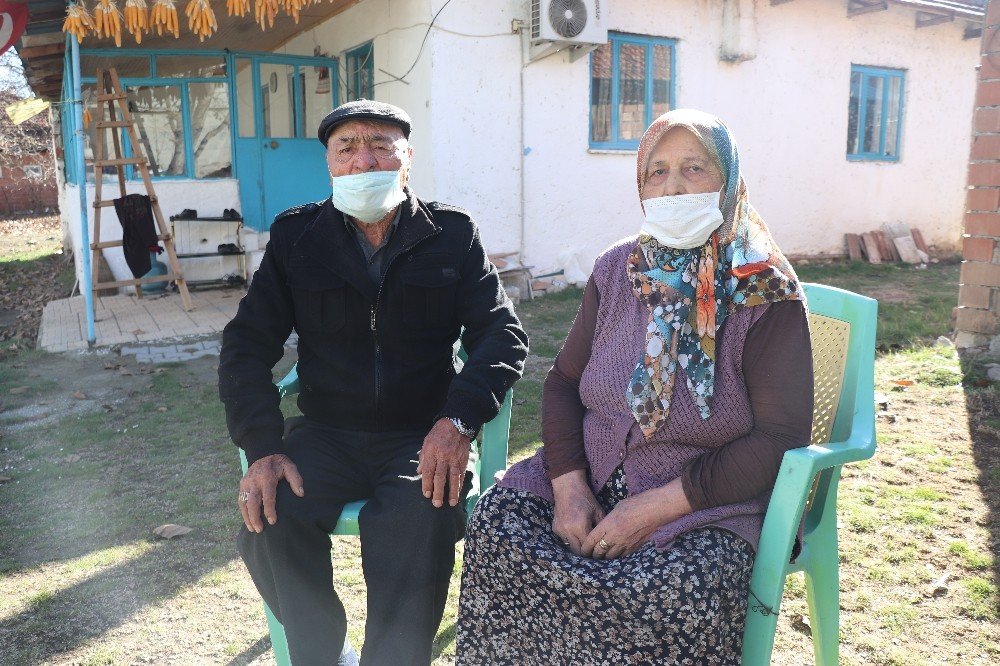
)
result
[(369, 196), (682, 221)]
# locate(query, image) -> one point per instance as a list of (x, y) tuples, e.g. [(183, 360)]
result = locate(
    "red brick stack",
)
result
[(978, 313)]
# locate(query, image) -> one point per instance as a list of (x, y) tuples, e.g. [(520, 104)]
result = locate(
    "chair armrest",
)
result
[(784, 512), (290, 384), (493, 444)]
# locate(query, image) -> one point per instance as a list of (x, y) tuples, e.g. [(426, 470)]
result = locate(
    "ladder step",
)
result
[(122, 161), (111, 123), (108, 98), (151, 278), (118, 243), (111, 202)]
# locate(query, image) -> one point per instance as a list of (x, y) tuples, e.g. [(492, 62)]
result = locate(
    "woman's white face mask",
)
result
[(368, 196), (682, 221)]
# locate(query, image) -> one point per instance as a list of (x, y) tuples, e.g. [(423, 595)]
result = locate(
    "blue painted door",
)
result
[(280, 102)]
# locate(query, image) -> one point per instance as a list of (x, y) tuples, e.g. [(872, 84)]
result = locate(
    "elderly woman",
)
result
[(630, 536)]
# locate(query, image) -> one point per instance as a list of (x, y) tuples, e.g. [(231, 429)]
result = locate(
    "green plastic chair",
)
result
[(490, 457), (842, 328)]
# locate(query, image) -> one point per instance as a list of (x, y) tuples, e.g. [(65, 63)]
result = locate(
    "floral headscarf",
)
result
[(689, 293)]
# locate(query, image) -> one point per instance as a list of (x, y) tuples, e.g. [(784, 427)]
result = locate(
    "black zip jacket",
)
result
[(371, 358)]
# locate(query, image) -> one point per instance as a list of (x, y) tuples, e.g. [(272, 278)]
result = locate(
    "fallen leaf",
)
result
[(185, 386), (161, 409), (72, 458), (5, 479), (79, 395), (903, 382), (19, 389), (169, 531), (801, 623)]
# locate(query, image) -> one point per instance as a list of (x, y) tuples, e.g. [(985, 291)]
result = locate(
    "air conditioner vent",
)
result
[(568, 17)]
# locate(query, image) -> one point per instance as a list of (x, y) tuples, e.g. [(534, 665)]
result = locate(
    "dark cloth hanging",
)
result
[(138, 231)]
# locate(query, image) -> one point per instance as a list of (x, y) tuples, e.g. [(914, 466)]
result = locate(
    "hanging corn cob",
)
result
[(265, 10), (78, 21), (87, 118), (293, 7), (108, 20), (136, 18), (238, 7), (164, 17), (201, 18)]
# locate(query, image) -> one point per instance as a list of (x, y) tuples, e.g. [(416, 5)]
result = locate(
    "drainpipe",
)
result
[(81, 176)]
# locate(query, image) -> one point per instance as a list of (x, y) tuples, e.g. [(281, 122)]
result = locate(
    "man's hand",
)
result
[(442, 462), (259, 486), (577, 510)]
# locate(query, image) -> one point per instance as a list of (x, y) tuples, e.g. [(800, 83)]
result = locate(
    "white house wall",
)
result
[(397, 28), (475, 115), (787, 108)]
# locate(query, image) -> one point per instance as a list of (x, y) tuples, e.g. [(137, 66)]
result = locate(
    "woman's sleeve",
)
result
[(562, 409), (778, 372)]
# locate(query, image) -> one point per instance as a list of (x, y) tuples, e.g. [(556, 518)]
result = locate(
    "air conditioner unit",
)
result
[(579, 25)]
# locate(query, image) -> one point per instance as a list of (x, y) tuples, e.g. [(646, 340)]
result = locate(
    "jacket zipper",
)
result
[(374, 325)]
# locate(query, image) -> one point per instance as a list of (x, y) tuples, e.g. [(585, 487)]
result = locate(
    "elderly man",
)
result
[(379, 285)]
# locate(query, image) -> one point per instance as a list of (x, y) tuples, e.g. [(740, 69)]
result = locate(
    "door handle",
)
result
[(274, 144)]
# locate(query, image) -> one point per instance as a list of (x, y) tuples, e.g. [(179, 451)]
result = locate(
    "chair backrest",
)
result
[(830, 341)]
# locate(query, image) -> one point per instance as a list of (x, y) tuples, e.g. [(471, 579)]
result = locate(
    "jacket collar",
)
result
[(326, 240)]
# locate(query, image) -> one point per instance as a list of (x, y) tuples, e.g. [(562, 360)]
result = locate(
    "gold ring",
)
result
[(603, 545)]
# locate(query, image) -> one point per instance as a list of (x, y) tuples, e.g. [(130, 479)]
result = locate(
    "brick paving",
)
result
[(152, 323)]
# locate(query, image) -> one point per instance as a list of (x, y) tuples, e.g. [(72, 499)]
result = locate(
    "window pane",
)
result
[(244, 98), (157, 114), (873, 114), (360, 72), (209, 105), (190, 66), (277, 86), (127, 66), (661, 80), (892, 118), (853, 111), (600, 94), (631, 91), (317, 97)]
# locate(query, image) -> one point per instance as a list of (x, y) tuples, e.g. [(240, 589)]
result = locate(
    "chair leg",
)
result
[(823, 596), (758, 634), (278, 642)]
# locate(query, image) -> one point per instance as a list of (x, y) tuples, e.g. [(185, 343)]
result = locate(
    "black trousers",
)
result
[(407, 546)]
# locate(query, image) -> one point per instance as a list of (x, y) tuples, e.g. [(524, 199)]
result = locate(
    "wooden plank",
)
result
[(871, 248), (898, 230), (918, 238), (111, 123), (885, 246), (854, 247), (110, 98)]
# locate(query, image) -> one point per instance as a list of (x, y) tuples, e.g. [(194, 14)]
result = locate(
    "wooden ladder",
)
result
[(109, 95)]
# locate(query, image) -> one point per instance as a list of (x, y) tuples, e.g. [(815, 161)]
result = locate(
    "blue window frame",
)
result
[(360, 63), (631, 84), (875, 113)]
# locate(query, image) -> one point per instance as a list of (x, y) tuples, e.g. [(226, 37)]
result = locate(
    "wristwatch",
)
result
[(462, 428)]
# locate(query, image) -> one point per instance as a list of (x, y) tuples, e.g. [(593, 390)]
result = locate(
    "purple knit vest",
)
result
[(610, 432)]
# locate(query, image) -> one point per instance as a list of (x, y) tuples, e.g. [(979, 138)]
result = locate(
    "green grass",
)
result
[(914, 304), (970, 559)]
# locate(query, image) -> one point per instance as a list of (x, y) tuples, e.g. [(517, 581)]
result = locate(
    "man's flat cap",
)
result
[(364, 109)]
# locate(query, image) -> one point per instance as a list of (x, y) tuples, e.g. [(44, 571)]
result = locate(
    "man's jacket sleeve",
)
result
[(493, 339), (251, 345)]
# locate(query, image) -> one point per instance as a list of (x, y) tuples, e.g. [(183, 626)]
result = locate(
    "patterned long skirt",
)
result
[(526, 599)]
